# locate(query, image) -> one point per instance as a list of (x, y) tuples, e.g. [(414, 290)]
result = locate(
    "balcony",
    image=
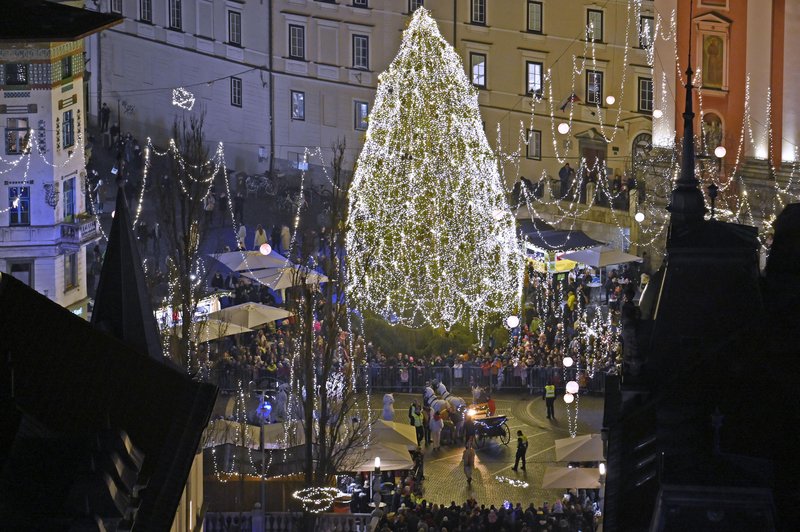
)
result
[(49, 235)]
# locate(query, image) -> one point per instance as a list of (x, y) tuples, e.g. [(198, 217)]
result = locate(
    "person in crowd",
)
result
[(436, 424), (259, 238)]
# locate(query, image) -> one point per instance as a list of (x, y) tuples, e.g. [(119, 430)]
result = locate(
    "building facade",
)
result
[(45, 232), (278, 77)]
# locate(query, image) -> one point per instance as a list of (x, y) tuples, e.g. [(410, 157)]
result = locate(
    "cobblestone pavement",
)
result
[(444, 473)]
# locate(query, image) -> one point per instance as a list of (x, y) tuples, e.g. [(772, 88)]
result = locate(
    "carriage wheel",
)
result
[(480, 439), (505, 437)]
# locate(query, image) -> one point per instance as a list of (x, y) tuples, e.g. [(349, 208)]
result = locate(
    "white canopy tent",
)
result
[(284, 277), (250, 314), (242, 261), (571, 477), (600, 257), (213, 329), (394, 433), (394, 457), (584, 448)]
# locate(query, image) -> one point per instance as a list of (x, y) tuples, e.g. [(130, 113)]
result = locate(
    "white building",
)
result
[(44, 229)]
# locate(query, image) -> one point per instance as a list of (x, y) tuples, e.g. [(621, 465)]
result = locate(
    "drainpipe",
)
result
[(455, 23), (271, 96)]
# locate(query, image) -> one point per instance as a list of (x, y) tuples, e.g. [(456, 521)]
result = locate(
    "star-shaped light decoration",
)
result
[(182, 98)]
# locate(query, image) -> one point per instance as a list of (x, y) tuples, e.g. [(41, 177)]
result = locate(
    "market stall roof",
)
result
[(584, 448), (601, 256), (558, 240), (571, 477), (394, 457)]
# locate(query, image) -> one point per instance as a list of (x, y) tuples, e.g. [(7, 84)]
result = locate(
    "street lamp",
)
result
[(376, 483)]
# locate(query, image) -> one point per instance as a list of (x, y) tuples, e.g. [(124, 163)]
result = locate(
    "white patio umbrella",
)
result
[(393, 457), (284, 277), (212, 329), (600, 257), (571, 477), (242, 261), (394, 433), (584, 448), (250, 315)]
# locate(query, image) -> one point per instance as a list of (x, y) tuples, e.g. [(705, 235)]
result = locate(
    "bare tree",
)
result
[(326, 362), (182, 194)]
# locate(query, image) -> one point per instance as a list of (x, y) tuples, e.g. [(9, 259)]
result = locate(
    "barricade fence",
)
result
[(413, 379)]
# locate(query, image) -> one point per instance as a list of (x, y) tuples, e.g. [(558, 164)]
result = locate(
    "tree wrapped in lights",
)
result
[(431, 238)]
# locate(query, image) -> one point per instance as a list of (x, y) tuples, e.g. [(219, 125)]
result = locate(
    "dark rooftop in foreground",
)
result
[(41, 21)]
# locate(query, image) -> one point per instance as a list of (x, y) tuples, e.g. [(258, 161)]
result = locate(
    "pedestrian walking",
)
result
[(238, 207), (522, 449), (209, 203), (566, 176), (468, 457), (223, 207), (286, 239), (259, 238), (105, 114), (416, 420), (550, 399), (426, 424), (437, 424), (242, 234)]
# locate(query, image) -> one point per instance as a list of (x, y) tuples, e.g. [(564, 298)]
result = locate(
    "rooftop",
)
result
[(41, 21)]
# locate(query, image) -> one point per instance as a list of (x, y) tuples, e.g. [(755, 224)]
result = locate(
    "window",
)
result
[(361, 114), (478, 11), (534, 16), (413, 5), (66, 67), (646, 95), (70, 271), (361, 52), (22, 271), (19, 203), (534, 145), (236, 92), (68, 130), (594, 87), (477, 66), (17, 135), (175, 15), (297, 42), (146, 11), (235, 28), (533, 78), (360, 3), (69, 200), (16, 74), (116, 6), (647, 31), (298, 105), (594, 25)]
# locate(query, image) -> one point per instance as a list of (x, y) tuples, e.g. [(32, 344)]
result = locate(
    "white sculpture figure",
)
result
[(279, 409), (388, 407)]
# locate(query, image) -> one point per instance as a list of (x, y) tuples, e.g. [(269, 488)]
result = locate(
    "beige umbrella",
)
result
[(585, 448), (207, 330), (242, 261), (250, 315), (394, 433), (285, 277), (571, 477), (393, 457)]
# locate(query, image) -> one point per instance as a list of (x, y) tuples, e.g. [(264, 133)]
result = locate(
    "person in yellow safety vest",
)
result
[(416, 419), (550, 399), (522, 448)]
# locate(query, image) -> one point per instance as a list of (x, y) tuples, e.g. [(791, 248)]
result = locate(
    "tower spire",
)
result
[(686, 203)]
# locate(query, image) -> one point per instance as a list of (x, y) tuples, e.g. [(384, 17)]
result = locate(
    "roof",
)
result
[(557, 240), (73, 386), (41, 21), (122, 303)]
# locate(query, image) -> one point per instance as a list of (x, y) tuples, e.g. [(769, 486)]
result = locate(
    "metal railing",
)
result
[(282, 521)]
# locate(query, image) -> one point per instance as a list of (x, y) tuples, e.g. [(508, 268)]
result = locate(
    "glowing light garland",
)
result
[(182, 98), (425, 245), (316, 500)]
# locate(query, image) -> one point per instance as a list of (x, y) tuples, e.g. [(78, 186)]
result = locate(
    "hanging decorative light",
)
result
[(658, 113), (720, 152), (568, 398), (568, 362), (563, 128), (610, 100), (639, 217), (265, 249), (572, 387), (512, 322)]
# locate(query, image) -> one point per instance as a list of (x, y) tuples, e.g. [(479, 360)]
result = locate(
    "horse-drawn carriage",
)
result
[(491, 427)]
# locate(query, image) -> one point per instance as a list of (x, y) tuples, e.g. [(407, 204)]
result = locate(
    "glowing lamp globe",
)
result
[(377, 462), (572, 387), (512, 322), (639, 217), (568, 398), (610, 100), (563, 128), (568, 362), (602, 468), (720, 152), (265, 249), (658, 113)]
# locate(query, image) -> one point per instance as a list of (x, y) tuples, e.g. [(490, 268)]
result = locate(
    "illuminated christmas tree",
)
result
[(431, 238)]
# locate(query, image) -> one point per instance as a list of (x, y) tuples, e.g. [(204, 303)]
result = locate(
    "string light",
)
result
[(182, 98), (425, 245), (316, 500), (511, 481)]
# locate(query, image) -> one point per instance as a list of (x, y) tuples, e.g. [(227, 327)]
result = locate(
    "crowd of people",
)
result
[(410, 513)]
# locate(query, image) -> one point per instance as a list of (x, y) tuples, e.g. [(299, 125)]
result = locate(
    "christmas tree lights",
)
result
[(431, 238)]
